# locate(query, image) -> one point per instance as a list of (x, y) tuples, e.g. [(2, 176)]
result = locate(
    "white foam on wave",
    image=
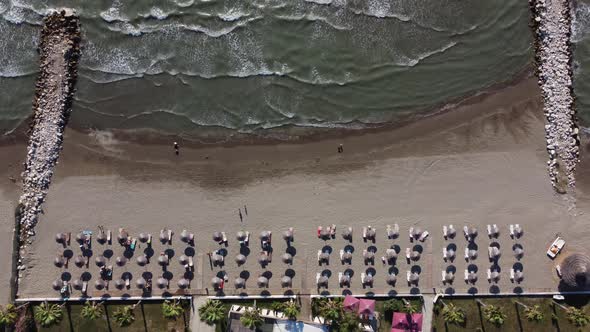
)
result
[(113, 14), (232, 15), (580, 22), (313, 18), (409, 62), (157, 13), (183, 4), (320, 2)]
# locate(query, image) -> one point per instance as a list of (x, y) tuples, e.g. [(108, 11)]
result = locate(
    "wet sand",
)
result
[(483, 163)]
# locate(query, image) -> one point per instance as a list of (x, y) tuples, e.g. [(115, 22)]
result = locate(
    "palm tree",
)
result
[(124, 316), (574, 315), (332, 309), (212, 312), (291, 310), (8, 315), (48, 314), (452, 314), (349, 322), (410, 308), (251, 319), (172, 310), (92, 311), (494, 315)]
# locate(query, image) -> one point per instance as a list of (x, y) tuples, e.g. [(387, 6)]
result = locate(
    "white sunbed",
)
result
[(84, 287), (489, 272), (443, 277), (319, 253), (423, 236), (466, 275), (317, 320), (445, 253), (411, 233), (333, 230), (169, 235), (342, 255), (389, 232), (396, 229), (408, 252), (364, 233), (224, 237), (317, 278), (466, 231), (451, 228), (558, 269), (466, 253), (511, 230), (496, 229), (512, 275), (517, 226), (408, 274), (109, 236), (363, 276), (247, 238), (489, 230), (445, 231), (340, 278)]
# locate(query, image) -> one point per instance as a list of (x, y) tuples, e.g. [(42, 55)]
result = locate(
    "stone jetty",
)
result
[(551, 23), (59, 52)]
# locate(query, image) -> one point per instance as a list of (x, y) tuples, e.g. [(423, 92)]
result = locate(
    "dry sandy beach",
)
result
[(481, 163)]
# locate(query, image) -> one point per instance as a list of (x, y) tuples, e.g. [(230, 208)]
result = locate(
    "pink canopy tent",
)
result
[(351, 303), (402, 322), (366, 307)]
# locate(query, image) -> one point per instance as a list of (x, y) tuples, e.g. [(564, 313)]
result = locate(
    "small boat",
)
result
[(556, 247)]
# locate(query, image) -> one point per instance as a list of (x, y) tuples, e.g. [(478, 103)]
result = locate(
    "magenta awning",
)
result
[(351, 303), (402, 322), (366, 307)]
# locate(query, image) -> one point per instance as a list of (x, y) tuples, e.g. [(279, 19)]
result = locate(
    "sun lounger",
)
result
[(388, 230), (466, 253), (489, 272), (363, 277), (451, 227), (395, 229), (84, 287), (340, 274), (69, 238), (511, 231), (445, 253), (466, 275), (496, 229), (445, 231), (558, 269), (408, 274), (423, 236), (489, 230), (333, 231), (319, 253), (149, 241), (342, 255), (517, 226), (364, 233), (411, 234), (443, 277), (466, 231), (224, 237), (408, 252), (512, 275), (320, 228), (490, 252), (317, 278), (247, 238)]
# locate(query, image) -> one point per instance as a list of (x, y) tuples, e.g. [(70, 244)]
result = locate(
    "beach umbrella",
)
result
[(185, 236), (143, 237), (121, 261), (183, 283), (101, 237), (391, 279), (77, 284), (100, 261), (57, 284), (366, 307), (265, 235), (350, 304), (288, 235), (217, 236), (60, 237), (122, 237), (141, 260), (324, 256), (495, 252), (451, 232), (262, 281), (140, 283), (163, 237), (100, 284), (518, 252), (518, 276), (59, 261), (472, 254), (163, 260), (451, 253), (345, 280), (286, 281), (323, 282), (390, 253), (371, 233), (449, 276), (518, 230), (241, 236), (368, 255), (472, 277), (79, 261), (347, 256), (347, 233), (324, 234), (495, 230), (263, 259), (119, 283), (287, 258), (495, 276), (369, 279), (472, 232), (575, 270), (414, 277), (415, 255), (417, 232), (80, 237), (217, 259), (240, 283), (161, 283), (240, 259), (183, 259)]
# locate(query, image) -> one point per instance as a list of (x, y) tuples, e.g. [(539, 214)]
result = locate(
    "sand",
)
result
[(481, 163)]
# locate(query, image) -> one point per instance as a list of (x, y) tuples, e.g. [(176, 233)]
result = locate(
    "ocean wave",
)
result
[(157, 13), (408, 62), (313, 18), (580, 22), (320, 2), (113, 14)]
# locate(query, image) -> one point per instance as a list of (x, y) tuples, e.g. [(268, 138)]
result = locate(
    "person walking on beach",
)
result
[(176, 148), (340, 148), (241, 217), (245, 209)]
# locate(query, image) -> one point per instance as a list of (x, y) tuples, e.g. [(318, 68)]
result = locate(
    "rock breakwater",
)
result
[(59, 51), (551, 23)]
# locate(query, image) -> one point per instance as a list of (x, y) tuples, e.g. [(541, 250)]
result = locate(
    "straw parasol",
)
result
[(80, 237), (495, 252), (183, 259), (369, 279), (472, 254), (59, 261), (495, 276), (141, 260), (240, 259), (518, 230), (161, 283), (265, 235), (241, 236), (518, 276), (391, 279), (287, 258), (60, 237), (163, 260), (119, 283), (263, 259), (390, 253), (262, 281), (286, 281), (79, 261), (240, 283), (415, 255), (100, 284), (575, 270), (183, 283), (347, 233), (472, 277), (217, 236), (368, 255), (345, 279), (57, 284), (449, 277), (140, 283), (100, 261), (371, 233), (451, 232), (185, 236), (323, 281), (451, 253), (77, 284), (324, 256), (121, 261), (495, 230), (347, 256), (417, 232), (143, 237), (123, 235), (414, 277), (101, 237), (518, 252)]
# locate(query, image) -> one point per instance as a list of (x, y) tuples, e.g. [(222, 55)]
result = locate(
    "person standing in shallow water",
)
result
[(176, 148)]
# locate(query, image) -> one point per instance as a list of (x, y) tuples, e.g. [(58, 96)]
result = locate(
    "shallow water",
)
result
[(180, 66)]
